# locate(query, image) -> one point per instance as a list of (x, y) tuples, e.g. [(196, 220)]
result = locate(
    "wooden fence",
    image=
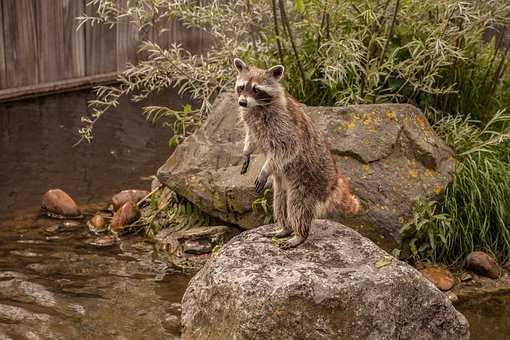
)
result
[(41, 50)]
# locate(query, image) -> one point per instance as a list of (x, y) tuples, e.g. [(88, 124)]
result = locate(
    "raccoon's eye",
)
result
[(241, 88), (256, 90)]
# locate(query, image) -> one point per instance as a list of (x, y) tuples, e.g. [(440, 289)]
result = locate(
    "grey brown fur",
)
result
[(306, 181)]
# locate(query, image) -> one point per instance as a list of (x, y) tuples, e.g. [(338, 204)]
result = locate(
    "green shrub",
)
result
[(428, 53)]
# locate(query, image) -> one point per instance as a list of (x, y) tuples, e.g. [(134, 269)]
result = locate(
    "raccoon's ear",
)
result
[(276, 72), (240, 65)]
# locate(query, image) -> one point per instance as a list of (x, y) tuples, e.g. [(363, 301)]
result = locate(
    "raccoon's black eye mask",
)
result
[(261, 95)]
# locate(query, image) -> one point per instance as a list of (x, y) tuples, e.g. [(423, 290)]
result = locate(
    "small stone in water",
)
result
[(128, 195), (126, 214), (105, 241), (483, 264), (56, 203), (69, 224), (466, 277), (441, 277), (155, 184), (196, 247), (452, 297), (52, 229), (97, 224)]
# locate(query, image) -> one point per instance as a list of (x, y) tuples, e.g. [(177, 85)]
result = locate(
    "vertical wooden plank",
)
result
[(127, 41), (74, 40), (20, 40), (50, 28), (61, 47), (3, 70), (100, 47)]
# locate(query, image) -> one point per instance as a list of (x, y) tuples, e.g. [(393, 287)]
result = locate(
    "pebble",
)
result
[(155, 184), (58, 204), (105, 241), (97, 224), (52, 229), (441, 277), (128, 195), (466, 277), (452, 297), (483, 264), (126, 215), (196, 247)]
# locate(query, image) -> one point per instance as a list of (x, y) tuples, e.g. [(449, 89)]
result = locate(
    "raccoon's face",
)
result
[(256, 87)]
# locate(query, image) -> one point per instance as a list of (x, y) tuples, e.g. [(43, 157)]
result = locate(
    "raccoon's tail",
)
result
[(341, 200)]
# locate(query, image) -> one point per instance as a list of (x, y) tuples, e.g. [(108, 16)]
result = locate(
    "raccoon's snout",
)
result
[(243, 102)]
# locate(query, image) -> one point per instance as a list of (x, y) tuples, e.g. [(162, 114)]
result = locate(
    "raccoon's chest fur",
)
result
[(273, 132)]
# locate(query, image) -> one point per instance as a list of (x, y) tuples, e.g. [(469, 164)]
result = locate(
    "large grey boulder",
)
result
[(389, 152), (337, 285)]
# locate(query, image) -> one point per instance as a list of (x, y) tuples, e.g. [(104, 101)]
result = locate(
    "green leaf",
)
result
[(412, 247), (395, 252), (386, 260), (299, 5), (278, 241)]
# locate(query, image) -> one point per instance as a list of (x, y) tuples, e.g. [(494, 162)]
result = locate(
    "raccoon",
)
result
[(306, 181)]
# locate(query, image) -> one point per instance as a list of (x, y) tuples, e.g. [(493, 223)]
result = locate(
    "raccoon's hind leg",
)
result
[(280, 209), (300, 210)]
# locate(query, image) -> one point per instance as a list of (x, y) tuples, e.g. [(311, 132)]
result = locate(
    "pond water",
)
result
[(54, 282), (36, 150), (489, 318)]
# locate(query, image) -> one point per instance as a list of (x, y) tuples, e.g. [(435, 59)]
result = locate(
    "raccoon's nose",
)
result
[(243, 102)]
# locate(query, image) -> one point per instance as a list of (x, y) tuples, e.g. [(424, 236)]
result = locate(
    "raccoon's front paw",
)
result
[(260, 182), (246, 164)]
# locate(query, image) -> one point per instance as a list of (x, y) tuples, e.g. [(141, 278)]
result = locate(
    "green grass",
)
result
[(475, 212)]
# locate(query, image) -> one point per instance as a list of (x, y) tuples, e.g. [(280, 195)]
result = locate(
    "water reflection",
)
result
[(36, 153), (54, 284), (488, 318)]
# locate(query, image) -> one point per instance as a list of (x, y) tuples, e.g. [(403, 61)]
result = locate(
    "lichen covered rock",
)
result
[(389, 153), (336, 285)]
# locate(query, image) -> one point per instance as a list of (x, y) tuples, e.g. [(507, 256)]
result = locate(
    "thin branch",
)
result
[(390, 33), (383, 20), (327, 26), (319, 35), (277, 32), (285, 21), (252, 28), (500, 69)]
